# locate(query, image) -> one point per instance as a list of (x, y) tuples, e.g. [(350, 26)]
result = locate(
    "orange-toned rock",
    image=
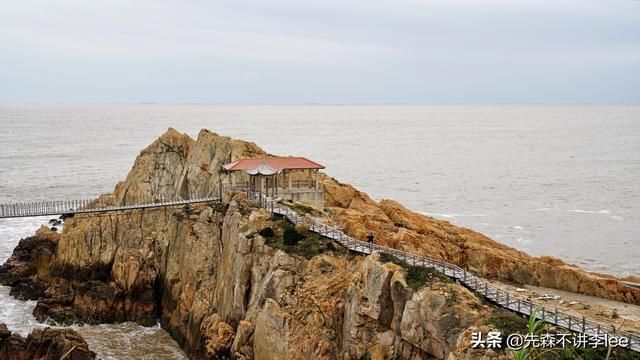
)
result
[(398, 227), (223, 290)]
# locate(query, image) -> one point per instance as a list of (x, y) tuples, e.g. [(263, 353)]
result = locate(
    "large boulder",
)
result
[(44, 344)]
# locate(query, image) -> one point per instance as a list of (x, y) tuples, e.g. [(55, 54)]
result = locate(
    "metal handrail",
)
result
[(84, 206), (480, 285), (495, 294)]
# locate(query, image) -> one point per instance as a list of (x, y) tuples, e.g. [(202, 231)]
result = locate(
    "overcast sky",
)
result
[(325, 51)]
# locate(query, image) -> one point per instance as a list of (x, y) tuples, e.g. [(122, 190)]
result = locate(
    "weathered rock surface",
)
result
[(27, 270), (395, 226), (222, 291), (44, 344)]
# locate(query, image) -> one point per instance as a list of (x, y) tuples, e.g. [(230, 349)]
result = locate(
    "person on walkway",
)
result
[(370, 240)]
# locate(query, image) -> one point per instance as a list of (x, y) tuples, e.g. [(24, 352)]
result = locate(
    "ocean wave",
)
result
[(449, 216), (599, 212), (579, 211)]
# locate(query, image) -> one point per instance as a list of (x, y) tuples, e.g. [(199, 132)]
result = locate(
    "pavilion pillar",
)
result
[(317, 179), (289, 176)]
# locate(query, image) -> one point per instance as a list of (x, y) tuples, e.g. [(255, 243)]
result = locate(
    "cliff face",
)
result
[(223, 289), (395, 226)]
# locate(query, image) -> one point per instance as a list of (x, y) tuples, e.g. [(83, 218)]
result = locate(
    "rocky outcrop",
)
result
[(44, 344), (175, 164), (222, 290), (27, 270), (385, 319), (396, 226)]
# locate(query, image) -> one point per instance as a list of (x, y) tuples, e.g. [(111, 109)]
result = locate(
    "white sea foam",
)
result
[(599, 212), (109, 341), (605, 212), (449, 216)]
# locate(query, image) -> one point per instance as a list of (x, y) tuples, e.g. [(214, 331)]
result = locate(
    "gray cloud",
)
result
[(284, 51)]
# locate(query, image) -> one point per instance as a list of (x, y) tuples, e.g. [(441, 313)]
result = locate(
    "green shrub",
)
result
[(291, 237), (416, 276), (297, 241), (266, 232), (508, 323)]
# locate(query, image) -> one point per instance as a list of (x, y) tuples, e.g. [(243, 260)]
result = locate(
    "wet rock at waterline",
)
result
[(44, 344)]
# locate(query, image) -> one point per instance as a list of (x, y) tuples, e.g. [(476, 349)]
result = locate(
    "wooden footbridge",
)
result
[(477, 284)]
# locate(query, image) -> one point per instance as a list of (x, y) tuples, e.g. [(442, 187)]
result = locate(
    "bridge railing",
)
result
[(48, 208), (481, 286), (494, 294)]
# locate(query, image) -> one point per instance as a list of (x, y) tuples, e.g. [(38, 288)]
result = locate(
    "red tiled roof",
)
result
[(278, 163)]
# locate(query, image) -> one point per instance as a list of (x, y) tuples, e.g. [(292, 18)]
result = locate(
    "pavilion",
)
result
[(291, 178)]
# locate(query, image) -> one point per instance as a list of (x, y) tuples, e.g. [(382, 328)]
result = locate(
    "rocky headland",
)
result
[(44, 344), (220, 280)]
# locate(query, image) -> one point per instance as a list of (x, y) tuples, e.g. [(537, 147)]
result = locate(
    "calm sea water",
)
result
[(549, 180)]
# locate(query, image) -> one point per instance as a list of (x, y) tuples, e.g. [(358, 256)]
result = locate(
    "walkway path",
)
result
[(479, 285), (69, 207), (483, 287)]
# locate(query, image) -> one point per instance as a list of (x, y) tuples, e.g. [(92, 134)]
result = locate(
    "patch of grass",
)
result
[(220, 207), (291, 236), (292, 241), (266, 232), (507, 322), (416, 276), (452, 298), (326, 268), (302, 209), (384, 257)]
